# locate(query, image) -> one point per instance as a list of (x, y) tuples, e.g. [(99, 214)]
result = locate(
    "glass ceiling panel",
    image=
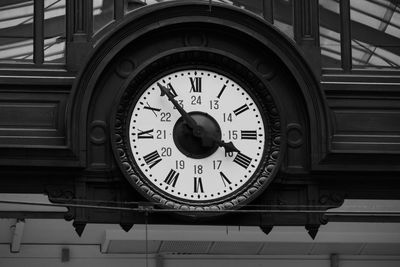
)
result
[(16, 31), (375, 33), (54, 31), (103, 13), (329, 35)]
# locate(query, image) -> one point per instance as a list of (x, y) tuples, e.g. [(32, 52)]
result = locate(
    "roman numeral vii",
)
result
[(171, 178)]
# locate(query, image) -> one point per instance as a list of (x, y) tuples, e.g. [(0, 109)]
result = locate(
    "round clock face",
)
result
[(196, 135)]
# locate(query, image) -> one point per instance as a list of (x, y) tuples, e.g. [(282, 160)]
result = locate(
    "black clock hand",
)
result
[(198, 131), (189, 120), (229, 147)]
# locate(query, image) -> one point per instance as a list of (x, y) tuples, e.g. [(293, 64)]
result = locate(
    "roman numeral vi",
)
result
[(198, 185)]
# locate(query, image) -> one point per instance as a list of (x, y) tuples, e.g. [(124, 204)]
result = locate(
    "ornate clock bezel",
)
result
[(226, 66)]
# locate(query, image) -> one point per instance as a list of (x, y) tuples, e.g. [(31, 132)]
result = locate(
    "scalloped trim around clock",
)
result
[(263, 176)]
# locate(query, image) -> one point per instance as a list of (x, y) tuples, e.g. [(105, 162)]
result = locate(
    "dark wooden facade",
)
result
[(341, 126)]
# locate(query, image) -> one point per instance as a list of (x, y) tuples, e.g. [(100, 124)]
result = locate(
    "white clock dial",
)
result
[(185, 166)]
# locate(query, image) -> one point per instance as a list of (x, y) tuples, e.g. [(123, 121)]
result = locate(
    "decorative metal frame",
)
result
[(272, 155)]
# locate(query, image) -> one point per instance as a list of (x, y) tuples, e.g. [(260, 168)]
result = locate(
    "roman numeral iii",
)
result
[(251, 135)]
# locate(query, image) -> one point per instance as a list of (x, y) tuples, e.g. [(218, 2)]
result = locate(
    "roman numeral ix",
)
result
[(145, 134)]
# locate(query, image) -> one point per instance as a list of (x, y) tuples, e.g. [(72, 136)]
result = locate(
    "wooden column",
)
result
[(345, 35), (306, 30), (268, 10), (79, 31), (38, 19)]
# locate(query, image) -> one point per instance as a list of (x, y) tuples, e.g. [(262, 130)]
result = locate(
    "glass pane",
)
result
[(283, 16), (255, 6), (252, 5), (375, 33), (54, 31), (329, 32), (134, 4), (103, 13), (16, 31), (16, 49), (54, 50)]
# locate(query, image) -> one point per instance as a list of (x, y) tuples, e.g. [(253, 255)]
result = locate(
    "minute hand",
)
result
[(189, 120), (197, 129)]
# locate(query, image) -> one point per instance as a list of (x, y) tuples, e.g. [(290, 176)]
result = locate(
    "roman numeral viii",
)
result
[(152, 159), (172, 177), (195, 84), (242, 160)]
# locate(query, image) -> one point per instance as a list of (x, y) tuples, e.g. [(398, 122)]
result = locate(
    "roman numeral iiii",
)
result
[(242, 160)]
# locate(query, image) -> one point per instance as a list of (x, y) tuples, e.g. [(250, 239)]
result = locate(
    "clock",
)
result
[(194, 136)]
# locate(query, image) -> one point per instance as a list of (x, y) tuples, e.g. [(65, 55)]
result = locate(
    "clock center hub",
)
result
[(194, 142)]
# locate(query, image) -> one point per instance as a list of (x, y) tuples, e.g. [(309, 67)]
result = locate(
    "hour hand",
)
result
[(209, 139), (229, 147)]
